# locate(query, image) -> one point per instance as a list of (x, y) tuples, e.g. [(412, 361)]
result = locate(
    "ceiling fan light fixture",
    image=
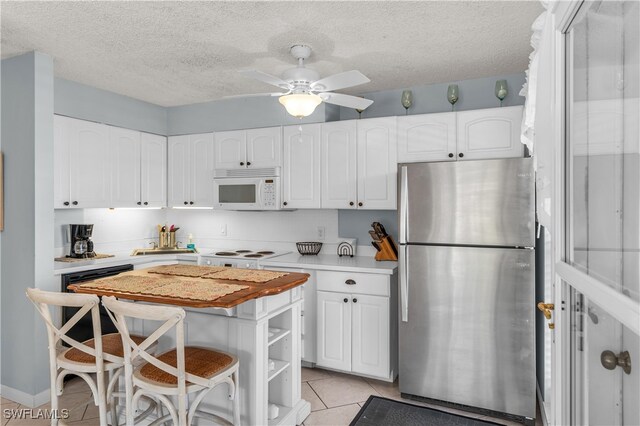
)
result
[(300, 105)]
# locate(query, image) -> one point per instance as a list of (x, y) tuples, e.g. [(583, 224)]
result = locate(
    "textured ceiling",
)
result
[(175, 53)]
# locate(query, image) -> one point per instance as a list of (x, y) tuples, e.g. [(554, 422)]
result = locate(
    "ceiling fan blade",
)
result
[(267, 78), (340, 81), (348, 101), (251, 95)]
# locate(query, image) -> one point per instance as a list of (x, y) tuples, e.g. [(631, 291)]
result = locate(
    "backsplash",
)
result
[(122, 230)]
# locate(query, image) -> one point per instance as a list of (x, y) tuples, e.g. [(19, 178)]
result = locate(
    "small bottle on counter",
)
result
[(190, 244)]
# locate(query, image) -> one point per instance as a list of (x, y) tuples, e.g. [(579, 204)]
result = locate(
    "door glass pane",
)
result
[(602, 396), (604, 164)]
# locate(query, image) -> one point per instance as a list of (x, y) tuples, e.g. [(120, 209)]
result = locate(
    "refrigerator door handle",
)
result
[(404, 204), (404, 284)]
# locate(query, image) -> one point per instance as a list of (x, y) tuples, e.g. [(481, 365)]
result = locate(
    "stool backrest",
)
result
[(42, 300), (173, 317)]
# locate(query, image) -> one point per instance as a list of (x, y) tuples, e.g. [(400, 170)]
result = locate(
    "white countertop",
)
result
[(332, 262), (119, 259)]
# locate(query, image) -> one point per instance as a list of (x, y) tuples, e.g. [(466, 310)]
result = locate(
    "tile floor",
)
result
[(335, 400)]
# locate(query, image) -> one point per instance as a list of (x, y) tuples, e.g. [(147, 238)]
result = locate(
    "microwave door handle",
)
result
[(259, 194)]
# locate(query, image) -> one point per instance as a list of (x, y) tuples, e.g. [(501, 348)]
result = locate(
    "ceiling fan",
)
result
[(304, 90)]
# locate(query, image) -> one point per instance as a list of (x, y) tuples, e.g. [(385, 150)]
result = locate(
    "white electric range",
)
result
[(241, 258)]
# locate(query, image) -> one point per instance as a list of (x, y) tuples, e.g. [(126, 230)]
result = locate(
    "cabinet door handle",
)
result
[(350, 282), (191, 202), (285, 203), (185, 203), (248, 163), (66, 203), (360, 204), (139, 203), (146, 203), (355, 300), (451, 155), (461, 155), (346, 300), (351, 203), (75, 203), (242, 163)]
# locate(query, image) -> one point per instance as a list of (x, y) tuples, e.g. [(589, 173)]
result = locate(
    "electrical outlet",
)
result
[(320, 233), (223, 230)]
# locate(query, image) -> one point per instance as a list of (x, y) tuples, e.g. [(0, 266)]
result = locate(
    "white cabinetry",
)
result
[(490, 133), (191, 170), (124, 146), (153, 170), (377, 163), (356, 319), (81, 164), (467, 135), (301, 167), (100, 166), (255, 148), (427, 137), (339, 165)]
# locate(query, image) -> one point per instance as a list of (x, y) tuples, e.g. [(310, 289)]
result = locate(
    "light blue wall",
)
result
[(232, 114), (27, 240), (473, 94), (89, 103)]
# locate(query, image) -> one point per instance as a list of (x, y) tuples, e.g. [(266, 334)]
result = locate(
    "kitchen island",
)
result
[(260, 325)]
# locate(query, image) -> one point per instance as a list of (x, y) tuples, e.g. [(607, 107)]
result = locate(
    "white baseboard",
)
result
[(23, 398)]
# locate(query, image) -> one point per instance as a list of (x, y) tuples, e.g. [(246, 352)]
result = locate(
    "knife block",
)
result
[(388, 249)]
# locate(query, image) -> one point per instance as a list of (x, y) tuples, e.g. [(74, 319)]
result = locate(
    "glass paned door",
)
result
[(605, 375), (601, 267)]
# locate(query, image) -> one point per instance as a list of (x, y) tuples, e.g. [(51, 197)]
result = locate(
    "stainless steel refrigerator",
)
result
[(467, 267)]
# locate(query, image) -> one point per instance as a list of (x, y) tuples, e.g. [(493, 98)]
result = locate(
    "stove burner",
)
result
[(226, 253), (266, 252), (253, 255), (243, 251)]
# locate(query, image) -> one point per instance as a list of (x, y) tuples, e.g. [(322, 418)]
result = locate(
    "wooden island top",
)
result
[(251, 290)]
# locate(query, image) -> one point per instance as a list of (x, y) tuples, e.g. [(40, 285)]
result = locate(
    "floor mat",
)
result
[(387, 412)]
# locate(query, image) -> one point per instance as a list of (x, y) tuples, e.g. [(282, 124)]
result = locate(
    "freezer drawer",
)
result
[(469, 334), (486, 203)]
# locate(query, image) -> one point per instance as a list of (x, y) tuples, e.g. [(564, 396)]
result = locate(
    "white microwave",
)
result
[(247, 189)]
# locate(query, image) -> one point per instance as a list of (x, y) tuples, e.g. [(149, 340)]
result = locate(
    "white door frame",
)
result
[(622, 308)]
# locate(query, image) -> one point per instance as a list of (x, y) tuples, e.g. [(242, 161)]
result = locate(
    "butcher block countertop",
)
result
[(250, 290)]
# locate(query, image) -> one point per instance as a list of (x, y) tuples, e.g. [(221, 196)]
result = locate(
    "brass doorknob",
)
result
[(610, 361), (546, 309)]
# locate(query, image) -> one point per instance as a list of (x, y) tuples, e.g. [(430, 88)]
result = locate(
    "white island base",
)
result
[(265, 335)]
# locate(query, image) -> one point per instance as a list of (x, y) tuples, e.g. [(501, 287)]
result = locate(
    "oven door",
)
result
[(246, 193)]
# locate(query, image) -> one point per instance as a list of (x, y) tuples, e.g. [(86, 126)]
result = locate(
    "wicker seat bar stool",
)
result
[(176, 373), (100, 355)]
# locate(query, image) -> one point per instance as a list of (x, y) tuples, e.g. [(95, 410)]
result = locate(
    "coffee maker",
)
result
[(81, 244)]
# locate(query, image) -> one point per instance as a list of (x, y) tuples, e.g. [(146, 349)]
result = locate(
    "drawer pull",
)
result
[(350, 282), (345, 300)]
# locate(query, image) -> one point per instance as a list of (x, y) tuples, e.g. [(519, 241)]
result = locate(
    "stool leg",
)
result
[(236, 399)]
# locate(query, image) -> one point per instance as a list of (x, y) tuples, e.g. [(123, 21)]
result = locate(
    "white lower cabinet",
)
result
[(355, 330)]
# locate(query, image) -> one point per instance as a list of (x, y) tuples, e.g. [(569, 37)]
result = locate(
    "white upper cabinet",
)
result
[(89, 165), (153, 170), (179, 178), (377, 163), (264, 147), (301, 171), (490, 133), (201, 148), (62, 127), (427, 137), (124, 145), (255, 148), (190, 179), (230, 149), (339, 165)]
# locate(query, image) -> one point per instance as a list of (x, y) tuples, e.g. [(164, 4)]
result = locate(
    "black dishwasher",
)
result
[(83, 330)]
